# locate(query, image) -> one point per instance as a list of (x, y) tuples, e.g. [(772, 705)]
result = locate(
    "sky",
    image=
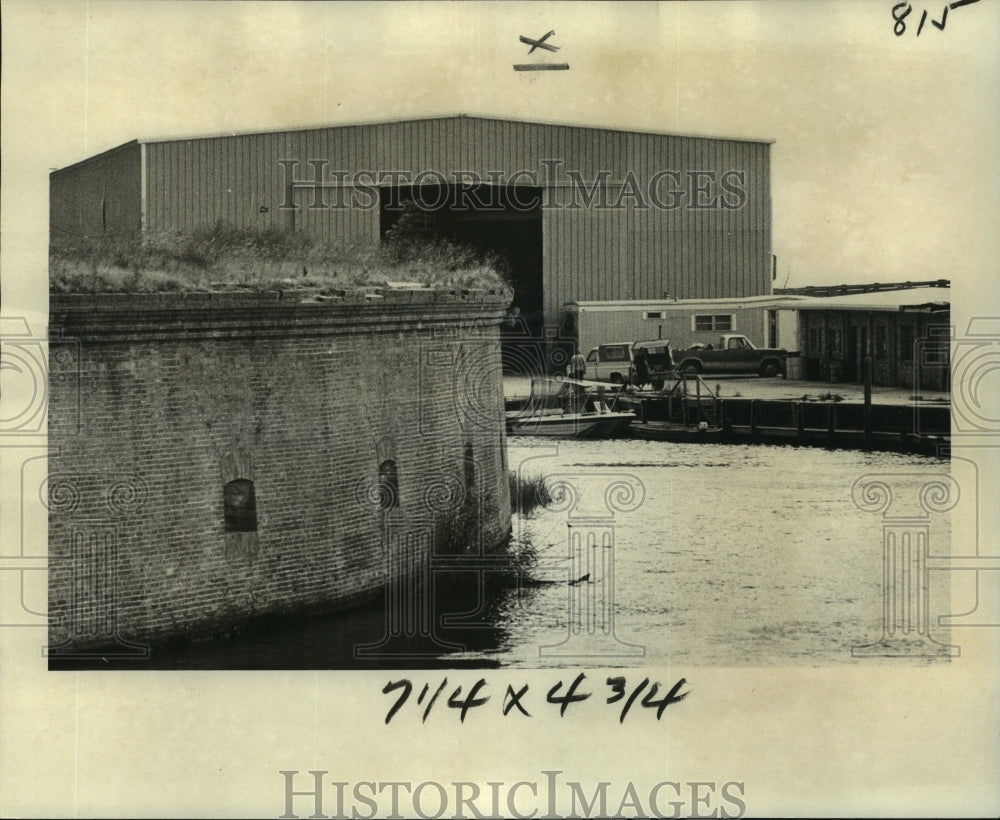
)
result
[(884, 159)]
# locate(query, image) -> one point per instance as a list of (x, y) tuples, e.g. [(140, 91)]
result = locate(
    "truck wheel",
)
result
[(691, 368), (658, 384), (616, 378), (768, 370)]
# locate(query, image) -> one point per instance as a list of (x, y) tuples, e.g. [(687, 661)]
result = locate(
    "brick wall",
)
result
[(365, 426)]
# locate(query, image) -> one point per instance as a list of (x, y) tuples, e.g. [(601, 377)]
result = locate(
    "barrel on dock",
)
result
[(795, 367)]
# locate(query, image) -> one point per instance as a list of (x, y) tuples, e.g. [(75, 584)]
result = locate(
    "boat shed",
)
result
[(907, 333), (576, 212)]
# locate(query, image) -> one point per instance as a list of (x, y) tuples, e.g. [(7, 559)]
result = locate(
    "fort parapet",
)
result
[(220, 456)]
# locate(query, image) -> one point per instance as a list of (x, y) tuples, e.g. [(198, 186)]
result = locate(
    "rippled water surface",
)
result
[(730, 555), (705, 555)]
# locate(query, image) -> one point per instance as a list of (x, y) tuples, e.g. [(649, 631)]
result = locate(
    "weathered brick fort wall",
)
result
[(220, 456)]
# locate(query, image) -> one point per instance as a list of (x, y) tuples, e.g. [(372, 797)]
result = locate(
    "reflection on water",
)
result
[(703, 555)]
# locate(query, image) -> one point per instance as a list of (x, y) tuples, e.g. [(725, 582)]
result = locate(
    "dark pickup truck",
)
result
[(733, 354)]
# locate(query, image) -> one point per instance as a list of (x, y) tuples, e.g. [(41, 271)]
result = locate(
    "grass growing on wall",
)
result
[(528, 493), (223, 256)]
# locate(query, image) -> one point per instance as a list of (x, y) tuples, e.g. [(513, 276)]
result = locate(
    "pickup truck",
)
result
[(615, 362), (733, 354)]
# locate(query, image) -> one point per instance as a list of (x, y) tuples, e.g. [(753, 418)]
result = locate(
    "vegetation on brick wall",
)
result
[(223, 256)]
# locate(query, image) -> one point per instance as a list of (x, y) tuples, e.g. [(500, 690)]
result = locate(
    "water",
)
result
[(737, 555), (730, 555)]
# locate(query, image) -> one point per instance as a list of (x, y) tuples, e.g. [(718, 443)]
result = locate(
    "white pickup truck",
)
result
[(615, 362)]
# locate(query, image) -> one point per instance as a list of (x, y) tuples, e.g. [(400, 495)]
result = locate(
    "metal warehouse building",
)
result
[(579, 213)]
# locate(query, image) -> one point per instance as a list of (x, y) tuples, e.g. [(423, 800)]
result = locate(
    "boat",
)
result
[(700, 433), (688, 411), (570, 408)]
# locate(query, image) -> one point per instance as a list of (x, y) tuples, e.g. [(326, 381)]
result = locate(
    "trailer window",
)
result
[(709, 322), (652, 314)]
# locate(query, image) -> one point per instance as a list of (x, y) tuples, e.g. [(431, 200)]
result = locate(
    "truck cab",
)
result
[(610, 362), (734, 353)]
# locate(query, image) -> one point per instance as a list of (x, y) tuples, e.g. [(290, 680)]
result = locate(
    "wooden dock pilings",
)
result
[(917, 427)]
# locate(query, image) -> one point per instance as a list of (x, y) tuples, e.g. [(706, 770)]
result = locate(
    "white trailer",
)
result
[(766, 320)]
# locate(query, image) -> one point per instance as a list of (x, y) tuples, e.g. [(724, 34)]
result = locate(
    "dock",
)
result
[(920, 427), (794, 412)]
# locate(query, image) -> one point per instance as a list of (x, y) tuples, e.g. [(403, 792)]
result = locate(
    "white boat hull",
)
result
[(603, 425)]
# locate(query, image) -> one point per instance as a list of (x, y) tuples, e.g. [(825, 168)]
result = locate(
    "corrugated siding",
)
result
[(688, 253), (98, 197), (588, 253)]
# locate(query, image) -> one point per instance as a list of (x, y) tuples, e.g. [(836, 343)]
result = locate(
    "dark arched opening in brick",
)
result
[(240, 503), (388, 485)]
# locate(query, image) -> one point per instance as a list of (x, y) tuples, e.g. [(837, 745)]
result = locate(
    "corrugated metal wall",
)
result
[(98, 197), (589, 253), (688, 253)]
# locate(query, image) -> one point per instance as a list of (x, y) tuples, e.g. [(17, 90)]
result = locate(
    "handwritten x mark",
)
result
[(539, 43)]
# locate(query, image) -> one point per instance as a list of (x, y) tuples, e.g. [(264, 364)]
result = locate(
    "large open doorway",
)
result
[(505, 225)]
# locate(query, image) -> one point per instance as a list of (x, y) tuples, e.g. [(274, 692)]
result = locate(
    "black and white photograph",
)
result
[(487, 409)]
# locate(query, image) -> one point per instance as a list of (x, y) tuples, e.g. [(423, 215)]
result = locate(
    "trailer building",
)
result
[(683, 322), (905, 332)]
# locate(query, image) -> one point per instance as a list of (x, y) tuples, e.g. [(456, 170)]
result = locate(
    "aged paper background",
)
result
[(885, 166)]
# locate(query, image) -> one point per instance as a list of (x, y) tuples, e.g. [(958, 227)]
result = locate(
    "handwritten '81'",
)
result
[(901, 11)]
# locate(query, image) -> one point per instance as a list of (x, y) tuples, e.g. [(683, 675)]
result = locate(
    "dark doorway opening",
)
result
[(855, 351), (504, 223), (240, 506)]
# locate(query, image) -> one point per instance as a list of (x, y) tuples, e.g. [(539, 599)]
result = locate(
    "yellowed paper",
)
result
[(884, 168)]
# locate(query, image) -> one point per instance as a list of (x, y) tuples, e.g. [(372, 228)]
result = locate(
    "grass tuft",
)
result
[(527, 494), (223, 256)]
